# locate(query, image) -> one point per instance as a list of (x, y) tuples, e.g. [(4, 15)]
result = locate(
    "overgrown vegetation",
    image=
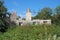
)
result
[(31, 32)]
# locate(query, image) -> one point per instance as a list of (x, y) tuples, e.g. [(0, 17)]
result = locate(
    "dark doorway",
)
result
[(20, 23), (34, 23)]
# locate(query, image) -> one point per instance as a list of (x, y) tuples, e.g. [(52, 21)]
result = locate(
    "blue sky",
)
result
[(21, 6)]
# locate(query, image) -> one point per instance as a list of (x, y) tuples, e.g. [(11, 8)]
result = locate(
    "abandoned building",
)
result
[(28, 19)]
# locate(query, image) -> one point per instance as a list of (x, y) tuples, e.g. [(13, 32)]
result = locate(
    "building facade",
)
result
[(28, 19)]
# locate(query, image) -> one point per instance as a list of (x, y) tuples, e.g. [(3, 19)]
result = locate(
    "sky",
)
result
[(21, 6)]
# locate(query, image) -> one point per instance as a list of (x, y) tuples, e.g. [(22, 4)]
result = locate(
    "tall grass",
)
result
[(31, 32)]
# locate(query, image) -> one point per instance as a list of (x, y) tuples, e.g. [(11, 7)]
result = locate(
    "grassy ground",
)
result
[(31, 32)]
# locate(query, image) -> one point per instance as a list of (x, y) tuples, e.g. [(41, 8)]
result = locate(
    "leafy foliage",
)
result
[(56, 16), (3, 17), (57, 10), (31, 32), (45, 13)]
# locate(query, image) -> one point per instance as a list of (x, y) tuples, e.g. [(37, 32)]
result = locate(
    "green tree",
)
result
[(57, 10), (45, 13), (56, 16), (3, 17)]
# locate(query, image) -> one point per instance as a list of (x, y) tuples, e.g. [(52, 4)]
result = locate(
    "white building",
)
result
[(28, 15), (28, 20)]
